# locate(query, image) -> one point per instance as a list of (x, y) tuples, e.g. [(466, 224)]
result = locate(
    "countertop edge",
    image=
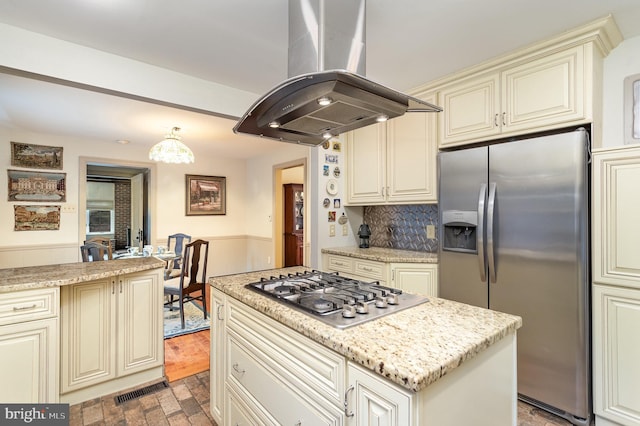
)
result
[(46, 276), (386, 255)]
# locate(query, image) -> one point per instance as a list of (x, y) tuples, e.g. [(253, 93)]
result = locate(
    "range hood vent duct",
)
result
[(326, 93)]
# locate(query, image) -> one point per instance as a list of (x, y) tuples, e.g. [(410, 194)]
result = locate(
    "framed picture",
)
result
[(36, 218), (25, 185), (632, 109), (36, 156), (206, 195)]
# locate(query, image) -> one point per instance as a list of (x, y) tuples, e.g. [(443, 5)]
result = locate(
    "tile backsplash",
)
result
[(402, 227)]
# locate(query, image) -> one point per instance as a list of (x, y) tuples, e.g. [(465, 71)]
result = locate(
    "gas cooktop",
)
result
[(336, 300)]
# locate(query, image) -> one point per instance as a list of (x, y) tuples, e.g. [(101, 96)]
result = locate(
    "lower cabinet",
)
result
[(616, 313), (29, 346), (111, 334), (375, 401), (266, 373), (418, 278)]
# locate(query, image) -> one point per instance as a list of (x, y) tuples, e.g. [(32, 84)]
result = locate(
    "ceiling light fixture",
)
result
[(382, 118), (171, 150)]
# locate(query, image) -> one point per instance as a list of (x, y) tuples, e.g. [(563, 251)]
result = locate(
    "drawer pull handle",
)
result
[(238, 369), (25, 308), (346, 402), (218, 312), (365, 268)]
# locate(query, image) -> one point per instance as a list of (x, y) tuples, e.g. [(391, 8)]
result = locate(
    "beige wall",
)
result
[(235, 247)]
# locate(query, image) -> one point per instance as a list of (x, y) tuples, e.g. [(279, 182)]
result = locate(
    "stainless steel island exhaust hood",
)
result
[(326, 93)]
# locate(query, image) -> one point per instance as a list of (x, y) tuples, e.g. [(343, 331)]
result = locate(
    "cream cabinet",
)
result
[(273, 375), (216, 354), (550, 91), (418, 278), (29, 346), (112, 334), (268, 375), (616, 287), (376, 401), (393, 162)]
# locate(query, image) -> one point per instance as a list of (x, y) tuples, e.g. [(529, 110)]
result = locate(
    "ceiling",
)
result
[(243, 44)]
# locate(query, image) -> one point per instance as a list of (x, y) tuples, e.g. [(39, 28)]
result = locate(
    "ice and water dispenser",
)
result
[(460, 230)]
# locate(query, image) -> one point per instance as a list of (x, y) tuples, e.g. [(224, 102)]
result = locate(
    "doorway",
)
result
[(120, 191), (293, 172)]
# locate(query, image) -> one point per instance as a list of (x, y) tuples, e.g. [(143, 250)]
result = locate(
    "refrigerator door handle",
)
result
[(482, 197), (490, 217)]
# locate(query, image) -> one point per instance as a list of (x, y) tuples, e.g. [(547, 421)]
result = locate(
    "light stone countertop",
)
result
[(380, 254), (32, 277), (413, 348)]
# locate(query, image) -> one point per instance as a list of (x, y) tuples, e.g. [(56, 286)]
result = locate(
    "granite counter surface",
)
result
[(413, 348), (32, 277), (388, 255)]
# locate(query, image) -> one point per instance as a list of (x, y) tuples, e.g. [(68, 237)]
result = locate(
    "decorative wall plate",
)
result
[(332, 187)]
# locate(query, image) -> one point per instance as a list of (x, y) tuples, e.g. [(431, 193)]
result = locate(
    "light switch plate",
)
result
[(431, 231), (345, 230), (332, 230)]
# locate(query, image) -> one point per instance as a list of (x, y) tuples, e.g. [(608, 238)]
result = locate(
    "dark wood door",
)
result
[(293, 224)]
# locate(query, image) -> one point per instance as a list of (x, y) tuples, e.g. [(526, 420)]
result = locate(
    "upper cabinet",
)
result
[(550, 85), (539, 94), (393, 162)]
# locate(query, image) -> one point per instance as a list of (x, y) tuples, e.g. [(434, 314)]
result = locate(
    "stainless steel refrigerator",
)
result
[(515, 238)]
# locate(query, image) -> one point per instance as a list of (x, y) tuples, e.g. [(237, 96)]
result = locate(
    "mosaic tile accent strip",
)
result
[(402, 227)]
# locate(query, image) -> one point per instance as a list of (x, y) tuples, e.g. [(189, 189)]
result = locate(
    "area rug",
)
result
[(193, 320)]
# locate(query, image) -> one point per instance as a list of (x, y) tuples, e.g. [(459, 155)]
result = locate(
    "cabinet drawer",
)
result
[(310, 364), (250, 373), (340, 263), (371, 270), (28, 305)]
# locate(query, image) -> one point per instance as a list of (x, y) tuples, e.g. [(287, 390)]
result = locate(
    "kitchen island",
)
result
[(424, 365), (73, 332)]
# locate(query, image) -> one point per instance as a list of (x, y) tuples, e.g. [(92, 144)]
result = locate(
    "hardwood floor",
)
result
[(186, 355)]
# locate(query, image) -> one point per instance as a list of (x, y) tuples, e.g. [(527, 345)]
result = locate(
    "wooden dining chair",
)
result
[(94, 252), (191, 283), (176, 243)]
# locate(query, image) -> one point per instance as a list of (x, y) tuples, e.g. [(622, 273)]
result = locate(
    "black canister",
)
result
[(364, 232)]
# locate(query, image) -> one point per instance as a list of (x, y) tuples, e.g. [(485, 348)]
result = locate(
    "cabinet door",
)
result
[(375, 401), (415, 278), (545, 91), (616, 353), (28, 362), (471, 110), (411, 157), (365, 172), (140, 322), (616, 209), (216, 354), (88, 332)]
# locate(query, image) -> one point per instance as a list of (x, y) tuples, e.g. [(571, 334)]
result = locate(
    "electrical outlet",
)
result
[(268, 260), (332, 230), (345, 230), (431, 231)]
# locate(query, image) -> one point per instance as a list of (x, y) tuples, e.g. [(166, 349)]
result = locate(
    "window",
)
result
[(100, 222)]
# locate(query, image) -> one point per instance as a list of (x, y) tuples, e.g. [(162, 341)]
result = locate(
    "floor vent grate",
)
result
[(135, 394)]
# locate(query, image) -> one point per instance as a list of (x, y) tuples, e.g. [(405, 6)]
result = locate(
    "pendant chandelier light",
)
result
[(171, 150)]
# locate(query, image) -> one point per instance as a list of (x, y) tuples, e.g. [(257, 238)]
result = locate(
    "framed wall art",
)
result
[(36, 156), (206, 195), (26, 185), (632, 109), (36, 218)]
